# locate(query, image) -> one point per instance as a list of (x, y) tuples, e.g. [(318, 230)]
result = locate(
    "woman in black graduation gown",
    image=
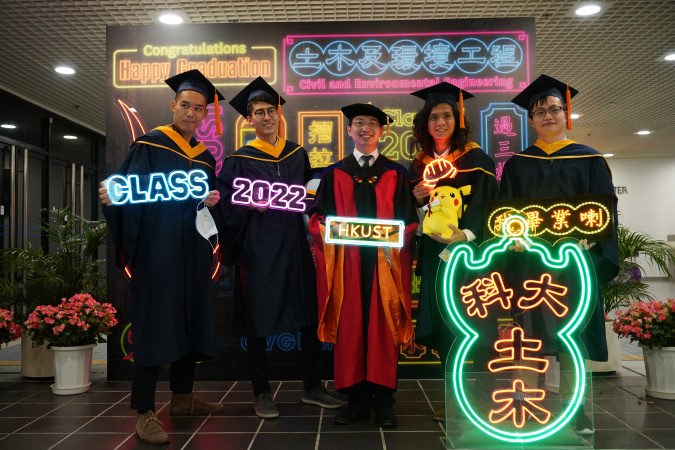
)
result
[(440, 132)]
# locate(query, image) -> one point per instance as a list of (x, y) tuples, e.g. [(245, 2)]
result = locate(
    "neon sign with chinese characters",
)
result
[(263, 194), (478, 61), (503, 132), (582, 216), (364, 232), (178, 185), (484, 288)]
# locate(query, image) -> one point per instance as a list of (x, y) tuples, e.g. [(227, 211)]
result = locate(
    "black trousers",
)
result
[(144, 383), (366, 394), (311, 361)]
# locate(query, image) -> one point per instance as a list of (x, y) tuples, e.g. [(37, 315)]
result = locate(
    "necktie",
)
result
[(366, 160)]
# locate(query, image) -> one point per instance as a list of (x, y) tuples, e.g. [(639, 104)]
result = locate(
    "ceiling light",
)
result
[(69, 136), (587, 10), (65, 70), (608, 155), (171, 19), (6, 125), (670, 57), (644, 132), (575, 116)]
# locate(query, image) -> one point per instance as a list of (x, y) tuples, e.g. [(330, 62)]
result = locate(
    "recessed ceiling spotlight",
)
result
[(69, 136), (587, 10), (171, 19), (670, 57), (608, 155), (7, 125), (644, 132), (65, 70), (575, 116)]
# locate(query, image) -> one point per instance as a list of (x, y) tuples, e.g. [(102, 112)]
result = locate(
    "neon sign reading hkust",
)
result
[(556, 282), (364, 232), (178, 185), (263, 194)]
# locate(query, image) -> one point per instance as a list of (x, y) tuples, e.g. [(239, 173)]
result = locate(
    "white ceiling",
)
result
[(615, 59)]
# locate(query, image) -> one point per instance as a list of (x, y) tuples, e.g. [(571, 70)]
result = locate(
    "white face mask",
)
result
[(205, 224)]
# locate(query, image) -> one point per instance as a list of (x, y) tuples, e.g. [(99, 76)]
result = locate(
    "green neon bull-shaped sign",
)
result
[(544, 295)]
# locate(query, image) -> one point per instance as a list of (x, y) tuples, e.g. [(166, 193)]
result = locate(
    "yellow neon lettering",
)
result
[(387, 229), (343, 231)]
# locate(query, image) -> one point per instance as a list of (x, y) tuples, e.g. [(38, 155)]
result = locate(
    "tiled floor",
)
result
[(31, 417)]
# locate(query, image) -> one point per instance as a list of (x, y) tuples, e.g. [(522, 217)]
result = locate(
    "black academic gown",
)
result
[(567, 168), (275, 285), (172, 303), (476, 169)]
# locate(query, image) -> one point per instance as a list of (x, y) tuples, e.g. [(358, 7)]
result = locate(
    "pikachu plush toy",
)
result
[(445, 207)]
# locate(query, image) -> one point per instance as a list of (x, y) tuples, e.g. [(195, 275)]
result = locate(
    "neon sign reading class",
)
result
[(364, 232), (438, 169), (177, 186), (263, 194), (558, 282)]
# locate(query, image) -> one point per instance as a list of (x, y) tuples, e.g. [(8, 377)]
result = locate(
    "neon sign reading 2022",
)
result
[(178, 185), (263, 194)]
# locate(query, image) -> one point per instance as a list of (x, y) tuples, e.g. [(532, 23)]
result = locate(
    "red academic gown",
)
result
[(364, 304)]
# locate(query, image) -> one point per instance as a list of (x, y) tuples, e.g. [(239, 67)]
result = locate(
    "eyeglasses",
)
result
[(260, 113), (361, 124), (541, 112)]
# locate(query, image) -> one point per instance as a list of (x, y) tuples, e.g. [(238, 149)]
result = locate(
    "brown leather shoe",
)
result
[(149, 429), (182, 404)]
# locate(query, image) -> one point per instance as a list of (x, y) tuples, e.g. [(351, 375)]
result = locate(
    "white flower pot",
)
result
[(72, 369), (552, 375), (660, 367), (36, 362), (614, 361)]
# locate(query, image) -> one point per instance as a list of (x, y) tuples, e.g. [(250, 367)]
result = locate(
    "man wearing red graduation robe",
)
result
[(364, 292), (169, 259)]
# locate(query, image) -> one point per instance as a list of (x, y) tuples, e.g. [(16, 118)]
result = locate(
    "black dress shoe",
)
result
[(352, 414), (385, 417)]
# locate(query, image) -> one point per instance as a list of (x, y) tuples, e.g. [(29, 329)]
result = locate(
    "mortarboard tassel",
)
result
[(219, 126), (568, 100), (281, 135), (461, 110), (388, 128)]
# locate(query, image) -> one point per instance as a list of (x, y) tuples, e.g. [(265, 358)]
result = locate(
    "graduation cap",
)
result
[(194, 80), (255, 88), (445, 93), (366, 109), (543, 87)]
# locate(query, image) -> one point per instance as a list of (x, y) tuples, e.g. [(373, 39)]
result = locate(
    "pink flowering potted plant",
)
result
[(72, 329), (9, 331), (652, 325)]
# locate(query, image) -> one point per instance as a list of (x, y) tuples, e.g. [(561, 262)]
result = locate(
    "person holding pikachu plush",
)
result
[(460, 178)]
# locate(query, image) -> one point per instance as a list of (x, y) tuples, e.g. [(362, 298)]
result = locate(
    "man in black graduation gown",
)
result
[(557, 167), (168, 260), (275, 286)]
